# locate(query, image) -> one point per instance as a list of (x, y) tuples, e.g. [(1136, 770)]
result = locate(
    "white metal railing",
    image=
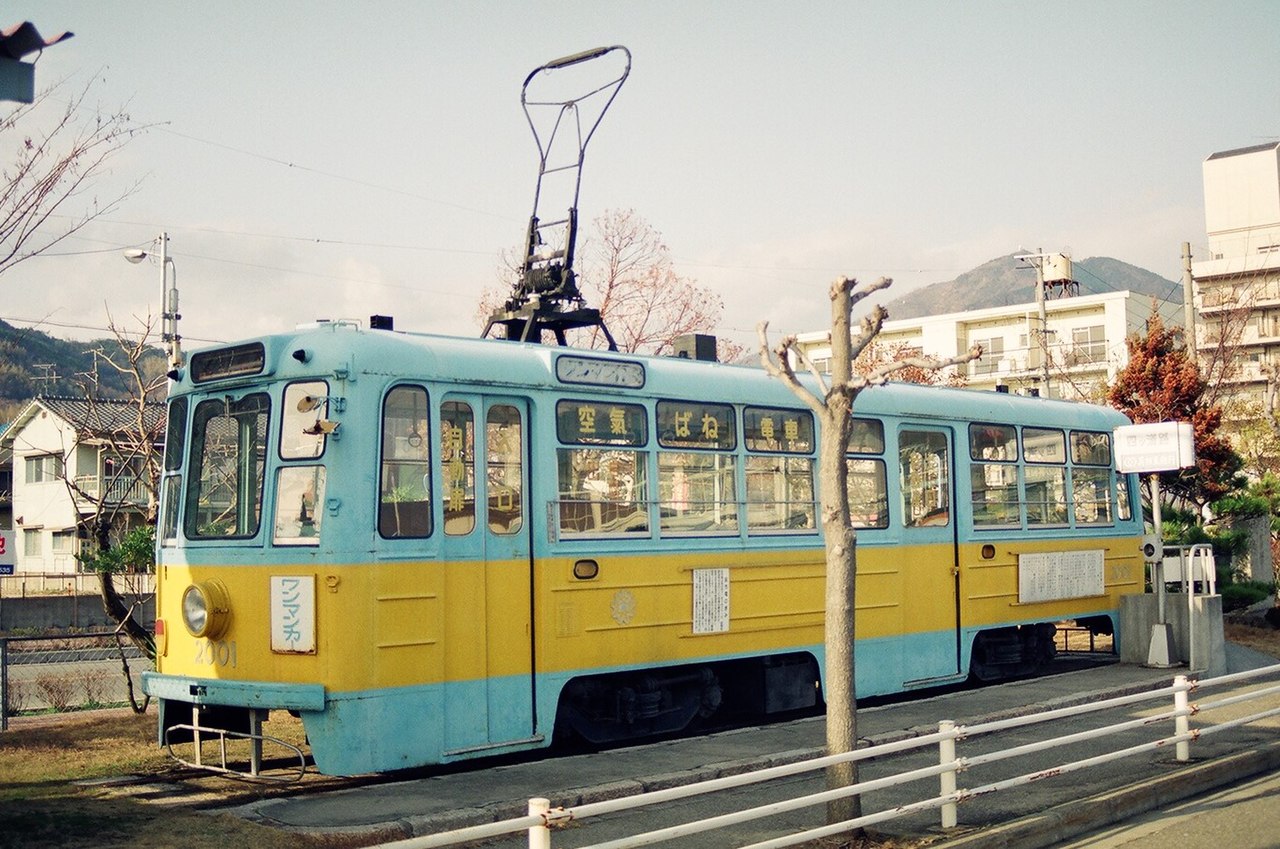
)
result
[(122, 490), (543, 817)]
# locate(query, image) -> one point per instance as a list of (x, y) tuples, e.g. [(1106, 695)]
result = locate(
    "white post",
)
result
[(947, 780), (1181, 722), (1159, 651), (539, 835)]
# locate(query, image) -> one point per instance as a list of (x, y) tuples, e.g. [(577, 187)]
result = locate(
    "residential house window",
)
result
[(64, 542), (44, 468), (31, 545), (992, 351)]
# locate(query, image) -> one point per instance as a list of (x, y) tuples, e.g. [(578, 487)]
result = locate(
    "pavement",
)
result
[(1040, 814)]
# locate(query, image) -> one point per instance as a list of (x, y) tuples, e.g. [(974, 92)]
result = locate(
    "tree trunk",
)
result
[(840, 692), (116, 608)]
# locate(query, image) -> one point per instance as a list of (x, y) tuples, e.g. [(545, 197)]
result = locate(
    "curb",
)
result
[(1082, 816)]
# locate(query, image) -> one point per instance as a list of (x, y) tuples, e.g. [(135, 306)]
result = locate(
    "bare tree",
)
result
[(628, 274), (876, 355), (833, 406), (54, 165), (127, 434)]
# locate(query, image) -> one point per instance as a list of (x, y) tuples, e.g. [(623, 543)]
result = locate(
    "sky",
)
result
[(344, 159)]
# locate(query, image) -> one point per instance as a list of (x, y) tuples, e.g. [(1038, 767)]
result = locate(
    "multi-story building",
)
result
[(1079, 353), (76, 461), (1238, 283)]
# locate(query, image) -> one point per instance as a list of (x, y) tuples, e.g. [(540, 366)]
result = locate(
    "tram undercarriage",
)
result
[(604, 709)]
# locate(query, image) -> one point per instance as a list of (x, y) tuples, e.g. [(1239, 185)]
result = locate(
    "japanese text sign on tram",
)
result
[(1155, 447)]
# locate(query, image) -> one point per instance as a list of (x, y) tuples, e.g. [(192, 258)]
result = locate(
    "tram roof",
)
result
[(510, 366)]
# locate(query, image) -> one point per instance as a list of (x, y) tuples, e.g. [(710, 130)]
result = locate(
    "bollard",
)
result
[(947, 780), (1181, 722), (539, 835)]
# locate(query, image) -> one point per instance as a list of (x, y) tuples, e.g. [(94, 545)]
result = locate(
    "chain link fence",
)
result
[(68, 672)]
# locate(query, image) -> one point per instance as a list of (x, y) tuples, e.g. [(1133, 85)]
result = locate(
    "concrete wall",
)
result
[(40, 613), (1138, 613)]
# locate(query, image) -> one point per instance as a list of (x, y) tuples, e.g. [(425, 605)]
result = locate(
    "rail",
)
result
[(543, 818)]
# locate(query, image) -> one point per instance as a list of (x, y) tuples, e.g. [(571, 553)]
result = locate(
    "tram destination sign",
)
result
[(1155, 447)]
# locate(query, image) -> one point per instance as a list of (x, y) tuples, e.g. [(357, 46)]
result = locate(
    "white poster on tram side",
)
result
[(1055, 575), (293, 614), (710, 601)]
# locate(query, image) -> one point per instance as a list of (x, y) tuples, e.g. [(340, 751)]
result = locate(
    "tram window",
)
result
[(993, 442), (1124, 512), (780, 494), (770, 429), (175, 434), (1091, 496), (601, 423), (692, 424), (868, 494), (993, 476), (866, 436), (696, 493), (171, 487), (1046, 495), (924, 463), (1090, 449), (170, 495), (228, 444), (1045, 450), (304, 405), (602, 491), (504, 450), (1044, 445), (404, 488), (457, 460), (299, 491), (994, 489)]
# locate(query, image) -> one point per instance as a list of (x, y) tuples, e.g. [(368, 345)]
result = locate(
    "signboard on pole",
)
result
[(6, 551), (1155, 447)]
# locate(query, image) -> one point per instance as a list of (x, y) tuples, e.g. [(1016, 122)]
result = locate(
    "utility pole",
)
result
[(1188, 304)]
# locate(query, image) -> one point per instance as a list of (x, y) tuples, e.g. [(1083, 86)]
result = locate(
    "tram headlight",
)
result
[(205, 609)]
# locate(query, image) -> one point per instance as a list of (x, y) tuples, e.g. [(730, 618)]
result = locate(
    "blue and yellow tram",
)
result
[(434, 548)]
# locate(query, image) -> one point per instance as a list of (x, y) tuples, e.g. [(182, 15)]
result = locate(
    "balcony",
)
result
[(123, 490)]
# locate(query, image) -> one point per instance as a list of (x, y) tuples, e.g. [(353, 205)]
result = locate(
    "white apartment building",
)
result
[(1238, 283), (1078, 356)]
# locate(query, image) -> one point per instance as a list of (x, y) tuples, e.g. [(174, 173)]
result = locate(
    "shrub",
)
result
[(1240, 596), (57, 691)]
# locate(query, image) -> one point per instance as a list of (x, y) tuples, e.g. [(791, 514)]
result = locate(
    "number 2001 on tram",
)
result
[(432, 548)]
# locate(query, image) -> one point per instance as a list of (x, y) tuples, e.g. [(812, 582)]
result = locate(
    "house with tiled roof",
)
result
[(78, 462)]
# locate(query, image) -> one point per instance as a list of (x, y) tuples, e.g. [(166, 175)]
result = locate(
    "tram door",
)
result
[(484, 442), (926, 476)]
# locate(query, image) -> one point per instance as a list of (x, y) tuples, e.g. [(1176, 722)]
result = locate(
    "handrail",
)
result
[(543, 817)]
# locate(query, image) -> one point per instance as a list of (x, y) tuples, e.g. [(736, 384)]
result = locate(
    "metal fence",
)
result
[(72, 672), (25, 584), (949, 764)]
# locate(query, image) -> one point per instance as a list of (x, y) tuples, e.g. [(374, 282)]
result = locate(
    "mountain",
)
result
[(35, 363), (1006, 280)]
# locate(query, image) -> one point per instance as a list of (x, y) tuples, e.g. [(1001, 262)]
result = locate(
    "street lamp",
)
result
[(168, 297)]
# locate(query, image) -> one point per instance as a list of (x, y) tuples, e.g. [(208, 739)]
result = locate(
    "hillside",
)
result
[(35, 363), (1005, 280)]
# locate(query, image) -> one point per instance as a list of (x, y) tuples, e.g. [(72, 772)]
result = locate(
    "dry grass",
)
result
[(1265, 640), (41, 757)]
